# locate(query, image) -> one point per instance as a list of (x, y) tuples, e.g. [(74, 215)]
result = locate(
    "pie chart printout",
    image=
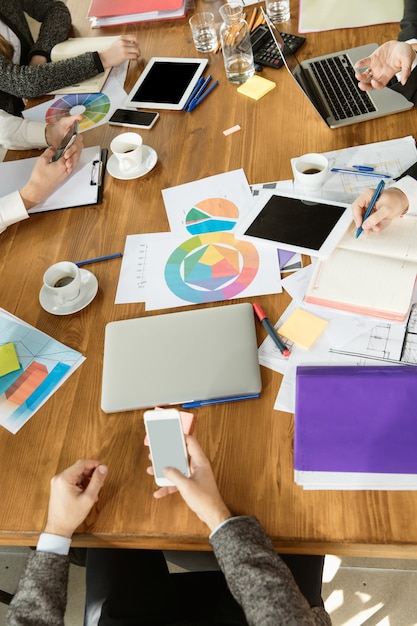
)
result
[(211, 267), (211, 215), (93, 107)]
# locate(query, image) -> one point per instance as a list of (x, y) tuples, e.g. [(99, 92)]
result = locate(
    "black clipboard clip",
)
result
[(98, 169)]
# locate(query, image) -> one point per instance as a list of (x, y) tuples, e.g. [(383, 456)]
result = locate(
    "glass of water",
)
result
[(278, 10), (203, 28)]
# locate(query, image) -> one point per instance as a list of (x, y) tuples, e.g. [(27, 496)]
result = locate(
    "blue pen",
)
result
[(358, 172), (364, 168), (200, 91), (198, 403), (193, 93), (374, 198), (99, 258), (197, 101)]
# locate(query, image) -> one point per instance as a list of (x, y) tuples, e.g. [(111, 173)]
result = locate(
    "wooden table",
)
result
[(250, 445)]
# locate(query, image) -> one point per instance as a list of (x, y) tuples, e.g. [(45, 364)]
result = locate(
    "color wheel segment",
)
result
[(93, 107), (211, 267)]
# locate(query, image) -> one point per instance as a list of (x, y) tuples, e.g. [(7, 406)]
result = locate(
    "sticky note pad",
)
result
[(256, 87), (303, 328), (8, 359)]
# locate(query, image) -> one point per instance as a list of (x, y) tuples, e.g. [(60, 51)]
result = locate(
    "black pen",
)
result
[(270, 330)]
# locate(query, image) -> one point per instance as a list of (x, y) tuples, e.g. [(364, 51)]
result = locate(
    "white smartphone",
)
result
[(166, 443), (67, 141), (134, 119)]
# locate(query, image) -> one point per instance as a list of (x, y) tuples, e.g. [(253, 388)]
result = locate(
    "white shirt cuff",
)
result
[(53, 543), (408, 185), (226, 521), (410, 41)]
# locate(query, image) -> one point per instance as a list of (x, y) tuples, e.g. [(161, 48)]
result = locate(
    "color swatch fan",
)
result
[(93, 107)]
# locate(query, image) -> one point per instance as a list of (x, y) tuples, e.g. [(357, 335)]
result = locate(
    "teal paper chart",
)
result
[(44, 365)]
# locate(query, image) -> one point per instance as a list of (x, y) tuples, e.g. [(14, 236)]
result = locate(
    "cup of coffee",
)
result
[(310, 170), (127, 148), (63, 281)]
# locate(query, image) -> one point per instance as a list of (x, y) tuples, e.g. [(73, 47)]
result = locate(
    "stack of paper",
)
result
[(356, 427), (110, 13)]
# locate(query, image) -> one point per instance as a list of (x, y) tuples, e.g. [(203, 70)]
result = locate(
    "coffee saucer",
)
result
[(88, 291), (149, 161)]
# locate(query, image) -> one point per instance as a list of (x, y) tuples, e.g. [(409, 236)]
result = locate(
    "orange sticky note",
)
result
[(303, 328), (187, 421)]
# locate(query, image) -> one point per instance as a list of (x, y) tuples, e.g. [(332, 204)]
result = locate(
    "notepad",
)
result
[(256, 87), (195, 355), (8, 359), (303, 328), (372, 275), (355, 427)]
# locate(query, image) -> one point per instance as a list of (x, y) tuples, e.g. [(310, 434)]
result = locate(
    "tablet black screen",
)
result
[(166, 82), (296, 222)]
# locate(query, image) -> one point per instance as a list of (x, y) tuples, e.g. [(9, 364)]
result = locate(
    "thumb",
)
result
[(48, 154), (96, 481), (363, 63), (175, 476)]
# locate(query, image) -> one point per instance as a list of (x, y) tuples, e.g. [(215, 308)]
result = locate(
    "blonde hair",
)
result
[(6, 48)]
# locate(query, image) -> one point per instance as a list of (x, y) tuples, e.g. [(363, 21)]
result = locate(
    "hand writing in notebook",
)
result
[(391, 204)]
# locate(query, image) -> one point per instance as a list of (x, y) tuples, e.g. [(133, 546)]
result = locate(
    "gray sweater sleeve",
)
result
[(55, 20), (41, 597), (259, 580)]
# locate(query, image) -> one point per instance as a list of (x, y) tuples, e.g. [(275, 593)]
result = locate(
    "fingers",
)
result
[(96, 482), (164, 491), (360, 205)]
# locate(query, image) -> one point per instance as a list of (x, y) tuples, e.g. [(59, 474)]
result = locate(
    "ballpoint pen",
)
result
[(200, 90), (193, 93), (359, 172), (194, 103), (99, 258), (364, 168), (270, 329), (198, 403), (371, 205)]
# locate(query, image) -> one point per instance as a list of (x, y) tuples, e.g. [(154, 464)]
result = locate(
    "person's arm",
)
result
[(408, 23), (396, 200), (392, 57), (42, 593), (45, 177), (17, 133), (31, 81), (257, 577), (55, 21)]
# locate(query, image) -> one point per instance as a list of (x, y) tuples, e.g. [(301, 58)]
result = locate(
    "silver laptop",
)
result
[(190, 356), (330, 85)]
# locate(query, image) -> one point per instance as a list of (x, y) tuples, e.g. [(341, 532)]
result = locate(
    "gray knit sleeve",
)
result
[(258, 579), (41, 597), (55, 20)]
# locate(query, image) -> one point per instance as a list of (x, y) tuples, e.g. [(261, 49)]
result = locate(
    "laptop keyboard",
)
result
[(336, 78)]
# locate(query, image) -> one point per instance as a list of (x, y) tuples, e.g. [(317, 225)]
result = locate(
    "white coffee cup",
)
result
[(63, 281), (127, 148), (310, 170)]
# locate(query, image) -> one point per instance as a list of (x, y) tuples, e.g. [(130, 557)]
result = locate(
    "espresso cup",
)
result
[(127, 148), (310, 170), (63, 281)]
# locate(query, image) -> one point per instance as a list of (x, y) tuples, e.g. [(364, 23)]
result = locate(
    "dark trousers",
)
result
[(135, 588)]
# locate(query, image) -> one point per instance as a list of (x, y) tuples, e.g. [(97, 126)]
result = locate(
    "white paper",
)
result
[(319, 15)]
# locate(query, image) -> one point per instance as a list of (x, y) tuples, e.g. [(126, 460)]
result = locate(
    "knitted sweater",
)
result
[(23, 81), (257, 577)]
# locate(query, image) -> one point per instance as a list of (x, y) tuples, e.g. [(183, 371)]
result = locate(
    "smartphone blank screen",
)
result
[(167, 449)]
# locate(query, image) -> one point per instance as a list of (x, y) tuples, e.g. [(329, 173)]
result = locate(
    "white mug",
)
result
[(127, 148), (310, 170), (63, 281)]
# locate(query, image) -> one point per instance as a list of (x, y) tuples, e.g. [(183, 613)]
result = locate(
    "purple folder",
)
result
[(356, 419)]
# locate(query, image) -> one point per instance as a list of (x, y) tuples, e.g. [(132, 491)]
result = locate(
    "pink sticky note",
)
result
[(187, 421)]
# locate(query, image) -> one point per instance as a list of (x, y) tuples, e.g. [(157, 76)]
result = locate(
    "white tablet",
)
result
[(298, 224), (166, 83)]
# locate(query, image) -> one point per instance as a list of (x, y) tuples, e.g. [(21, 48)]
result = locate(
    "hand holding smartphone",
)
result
[(166, 443), (67, 141)]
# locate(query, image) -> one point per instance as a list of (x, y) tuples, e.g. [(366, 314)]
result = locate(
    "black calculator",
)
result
[(264, 47)]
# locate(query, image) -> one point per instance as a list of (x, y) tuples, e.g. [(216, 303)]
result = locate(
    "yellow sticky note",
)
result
[(256, 87), (303, 328), (8, 359)]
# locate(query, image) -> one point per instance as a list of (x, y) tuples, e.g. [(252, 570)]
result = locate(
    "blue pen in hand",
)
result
[(374, 199)]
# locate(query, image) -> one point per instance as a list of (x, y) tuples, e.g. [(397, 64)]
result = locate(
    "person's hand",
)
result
[(46, 176), (55, 133), (391, 204), (73, 494), (199, 491), (38, 59), (124, 48), (387, 60)]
